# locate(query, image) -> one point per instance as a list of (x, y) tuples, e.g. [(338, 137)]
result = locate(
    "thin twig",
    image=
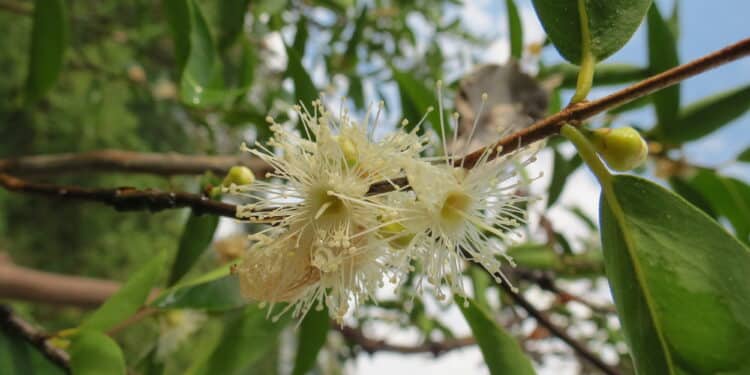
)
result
[(129, 162), (545, 281), (542, 319), (15, 326), (123, 198), (371, 346)]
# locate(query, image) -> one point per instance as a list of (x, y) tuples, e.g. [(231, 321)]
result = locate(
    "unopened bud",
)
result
[(399, 236), (623, 148), (239, 175)]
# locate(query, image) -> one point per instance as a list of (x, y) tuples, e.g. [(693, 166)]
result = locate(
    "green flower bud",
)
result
[(239, 175), (399, 235), (622, 149)]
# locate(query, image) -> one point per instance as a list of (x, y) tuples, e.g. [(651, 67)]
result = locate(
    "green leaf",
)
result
[(219, 294), (514, 29), (744, 156), (501, 352), (94, 353), (304, 88), (706, 116), (351, 46), (18, 357), (246, 339), (128, 299), (356, 91), (562, 168), (313, 332), (605, 74), (662, 55), (416, 98), (679, 281), (49, 40), (633, 105), (178, 18), (610, 24), (691, 194), (300, 37), (201, 82), (196, 237), (231, 20), (728, 197)]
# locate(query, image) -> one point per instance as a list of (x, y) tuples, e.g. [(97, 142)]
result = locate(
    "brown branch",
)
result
[(129, 162), (371, 346), (123, 198), (545, 281), (13, 325), (577, 113)]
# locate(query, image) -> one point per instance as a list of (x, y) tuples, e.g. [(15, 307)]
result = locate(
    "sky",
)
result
[(705, 27)]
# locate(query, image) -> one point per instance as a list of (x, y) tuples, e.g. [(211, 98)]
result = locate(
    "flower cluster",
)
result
[(332, 240)]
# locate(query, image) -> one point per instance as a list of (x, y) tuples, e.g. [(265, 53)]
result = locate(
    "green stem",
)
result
[(586, 73)]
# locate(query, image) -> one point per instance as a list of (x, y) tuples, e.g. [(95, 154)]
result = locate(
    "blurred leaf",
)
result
[(313, 332), (49, 40), (744, 155), (534, 255), (356, 91), (707, 115), (561, 169), (201, 82), (196, 237), (304, 89), (611, 24), (683, 187), (480, 282), (149, 364), (94, 353), (219, 294), (231, 20), (247, 66), (633, 105), (19, 357), (605, 74), (670, 266), (586, 219), (662, 55), (178, 18), (300, 36), (351, 46), (728, 197), (514, 29), (416, 98), (245, 340), (126, 302), (501, 352), (674, 20)]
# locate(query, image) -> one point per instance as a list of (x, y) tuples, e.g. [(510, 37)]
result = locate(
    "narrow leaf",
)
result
[(196, 237), (304, 89), (744, 156), (562, 168), (416, 99), (501, 352), (128, 299), (670, 266), (18, 357), (94, 353), (231, 20), (351, 46), (605, 74), (708, 115), (49, 39), (727, 196), (514, 29), (201, 83), (220, 294), (313, 332), (662, 55), (610, 23)]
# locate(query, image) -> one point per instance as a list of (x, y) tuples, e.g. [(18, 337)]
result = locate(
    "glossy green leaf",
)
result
[(312, 335), (196, 237), (220, 294), (728, 197), (605, 74), (679, 280), (94, 353), (201, 82), (246, 338), (501, 351), (561, 169), (683, 187), (514, 29), (304, 88), (662, 55), (610, 24), (131, 296), (706, 116), (49, 40), (744, 156)]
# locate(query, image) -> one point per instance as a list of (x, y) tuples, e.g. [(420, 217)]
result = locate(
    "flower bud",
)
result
[(399, 237), (239, 175), (623, 148)]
